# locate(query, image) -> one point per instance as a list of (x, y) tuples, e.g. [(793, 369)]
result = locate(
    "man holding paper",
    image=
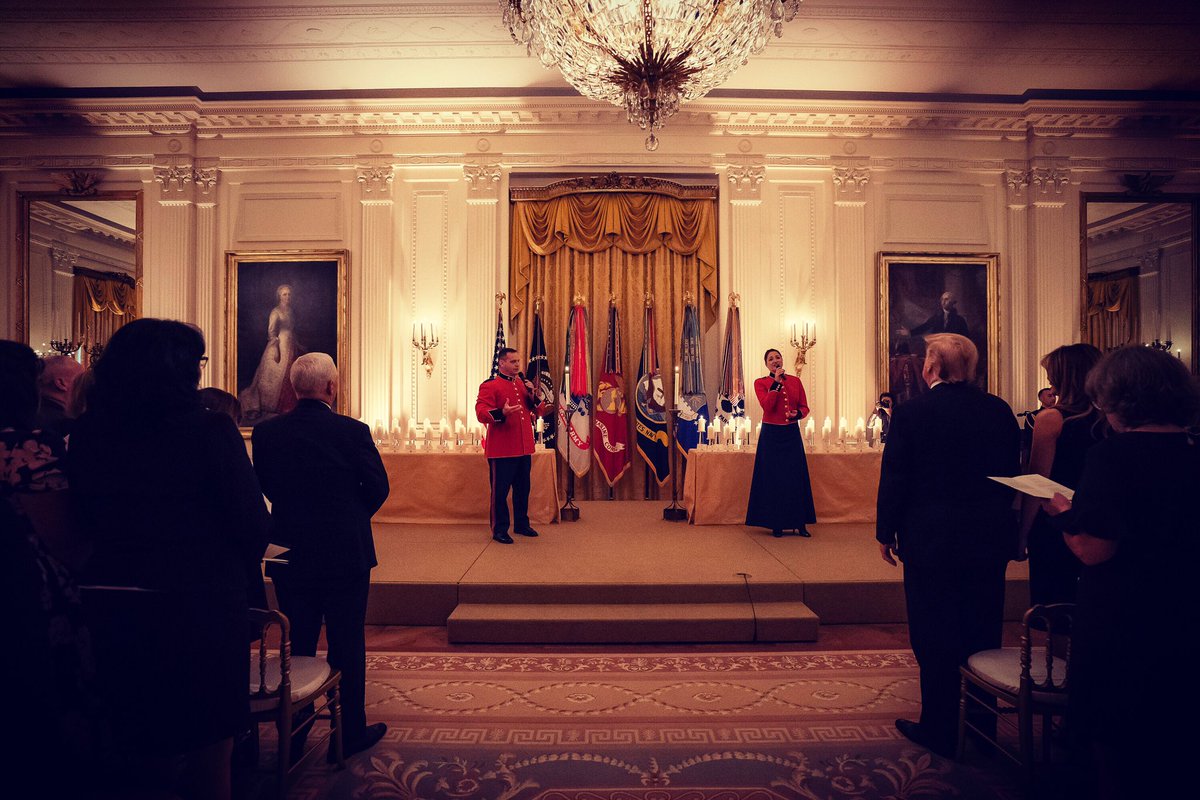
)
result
[(953, 528)]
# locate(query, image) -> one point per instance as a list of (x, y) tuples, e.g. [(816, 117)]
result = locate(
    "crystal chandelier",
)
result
[(646, 55)]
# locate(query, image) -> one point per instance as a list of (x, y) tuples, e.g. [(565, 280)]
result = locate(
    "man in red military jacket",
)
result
[(507, 405)]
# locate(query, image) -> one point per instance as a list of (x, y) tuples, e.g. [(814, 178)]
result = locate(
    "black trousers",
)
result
[(505, 474), (342, 604), (955, 608)]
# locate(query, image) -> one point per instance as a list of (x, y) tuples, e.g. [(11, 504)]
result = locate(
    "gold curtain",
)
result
[(602, 246), (103, 302), (1113, 312)]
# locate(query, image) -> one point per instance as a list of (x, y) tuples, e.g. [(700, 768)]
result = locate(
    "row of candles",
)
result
[(446, 435), (736, 433)]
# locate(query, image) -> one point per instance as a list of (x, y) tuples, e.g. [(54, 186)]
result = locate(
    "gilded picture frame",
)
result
[(280, 304), (925, 293)]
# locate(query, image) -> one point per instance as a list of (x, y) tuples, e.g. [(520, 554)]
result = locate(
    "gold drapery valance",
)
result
[(102, 303), (1113, 310), (636, 222)]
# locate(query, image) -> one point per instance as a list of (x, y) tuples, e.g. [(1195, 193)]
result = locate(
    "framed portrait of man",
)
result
[(921, 294), (280, 305)]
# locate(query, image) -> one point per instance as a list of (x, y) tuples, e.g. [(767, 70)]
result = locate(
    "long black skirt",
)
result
[(780, 492)]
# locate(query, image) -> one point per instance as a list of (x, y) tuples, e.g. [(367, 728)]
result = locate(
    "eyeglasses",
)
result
[(203, 362)]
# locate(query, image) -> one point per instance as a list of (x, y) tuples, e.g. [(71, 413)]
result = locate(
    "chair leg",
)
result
[(1025, 737), (962, 719), (335, 724), (284, 758)]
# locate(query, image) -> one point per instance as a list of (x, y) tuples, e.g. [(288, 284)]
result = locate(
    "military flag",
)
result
[(732, 391), (538, 372), (693, 402), (612, 427), (651, 406), (575, 397)]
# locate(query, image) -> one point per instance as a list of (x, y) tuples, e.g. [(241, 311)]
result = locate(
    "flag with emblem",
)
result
[(575, 397), (538, 373), (732, 391), (693, 402), (651, 406), (611, 424), (500, 345)]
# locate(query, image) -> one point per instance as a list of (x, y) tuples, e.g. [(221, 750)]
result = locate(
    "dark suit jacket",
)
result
[(935, 499), (325, 479), (939, 323)]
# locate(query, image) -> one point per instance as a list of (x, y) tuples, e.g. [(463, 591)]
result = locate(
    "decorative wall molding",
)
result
[(745, 182), (849, 182), (483, 181), (376, 181), (205, 179), (174, 180), (1016, 181), (1049, 180)]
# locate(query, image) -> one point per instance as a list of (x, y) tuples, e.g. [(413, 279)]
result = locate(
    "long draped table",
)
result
[(716, 485), (447, 487)]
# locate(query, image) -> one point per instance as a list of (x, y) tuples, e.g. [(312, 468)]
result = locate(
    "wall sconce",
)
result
[(425, 342), (806, 342)]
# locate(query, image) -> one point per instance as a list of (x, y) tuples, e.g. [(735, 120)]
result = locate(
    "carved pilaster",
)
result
[(376, 181), (205, 179), (483, 182), (1016, 285), (1049, 180), (850, 183), (1016, 181), (174, 181), (745, 183)]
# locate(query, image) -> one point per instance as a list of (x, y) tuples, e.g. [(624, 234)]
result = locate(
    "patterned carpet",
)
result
[(646, 727)]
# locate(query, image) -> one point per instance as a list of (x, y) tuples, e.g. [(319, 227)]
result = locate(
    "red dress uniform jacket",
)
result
[(513, 436), (781, 405)]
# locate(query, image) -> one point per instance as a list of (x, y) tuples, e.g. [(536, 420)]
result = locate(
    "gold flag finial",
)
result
[(734, 299), (500, 297), (688, 298)]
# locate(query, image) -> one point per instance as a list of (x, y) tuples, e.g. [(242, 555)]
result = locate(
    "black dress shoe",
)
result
[(527, 532), (365, 741), (502, 538), (778, 534), (803, 532), (918, 735)]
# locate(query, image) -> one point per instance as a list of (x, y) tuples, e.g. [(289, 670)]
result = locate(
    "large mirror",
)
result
[(1140, 272), (82, 265)]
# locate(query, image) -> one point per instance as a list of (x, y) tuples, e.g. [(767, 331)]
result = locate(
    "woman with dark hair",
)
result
[(780, 493), (176, 513), (1064, 433), (1132, 524)]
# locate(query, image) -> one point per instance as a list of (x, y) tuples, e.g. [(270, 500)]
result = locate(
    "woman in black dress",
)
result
[(780, 492), (1133, 524), (175, 511), (1061, 439)]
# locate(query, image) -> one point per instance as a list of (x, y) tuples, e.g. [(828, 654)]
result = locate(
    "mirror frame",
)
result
[(24, 201), (1135, 197)]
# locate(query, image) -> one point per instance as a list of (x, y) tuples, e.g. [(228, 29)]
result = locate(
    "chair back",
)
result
[(270, 673), (1046, 649)]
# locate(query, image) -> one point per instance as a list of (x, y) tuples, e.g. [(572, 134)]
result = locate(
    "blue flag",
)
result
[(651, 407), (693, 402), (733, 387), (538, 372)]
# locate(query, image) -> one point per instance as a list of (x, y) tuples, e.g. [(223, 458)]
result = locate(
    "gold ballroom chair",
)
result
[(1026, 681), (292, 692)]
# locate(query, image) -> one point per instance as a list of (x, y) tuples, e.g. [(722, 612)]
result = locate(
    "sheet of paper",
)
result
[(1036, 486)]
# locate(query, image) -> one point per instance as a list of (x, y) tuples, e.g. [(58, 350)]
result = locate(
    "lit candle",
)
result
[(540, 426), (859, 427), (567, 380), (412, 428), (842, 427), (379, 431), (793, 331), (677, 386), (810, 427), (428, 429), (737, 436)]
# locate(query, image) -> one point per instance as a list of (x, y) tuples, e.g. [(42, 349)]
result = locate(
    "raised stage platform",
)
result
[(622, 574)]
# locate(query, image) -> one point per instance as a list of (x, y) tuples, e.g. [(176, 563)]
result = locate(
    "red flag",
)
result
[(612, 428)]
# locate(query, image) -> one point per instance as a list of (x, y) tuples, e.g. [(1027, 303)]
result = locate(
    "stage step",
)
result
[(578, 623)]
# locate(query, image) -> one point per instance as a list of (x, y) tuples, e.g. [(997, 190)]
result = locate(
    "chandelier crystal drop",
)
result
[(649, 56)]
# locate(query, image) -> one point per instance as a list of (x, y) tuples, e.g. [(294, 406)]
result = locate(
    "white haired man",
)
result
[(325, 479), (952, 527), (54, 391)]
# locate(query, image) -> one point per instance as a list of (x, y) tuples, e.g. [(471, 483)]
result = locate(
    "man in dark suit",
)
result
[(945, 320), (325, 479), (952, 527)]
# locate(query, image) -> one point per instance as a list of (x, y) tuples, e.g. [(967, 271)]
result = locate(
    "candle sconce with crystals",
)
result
[(425, 341), (65, 347), (1157, 344), (803, 344)]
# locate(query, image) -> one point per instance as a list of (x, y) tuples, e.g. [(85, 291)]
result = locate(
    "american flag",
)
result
[(500, 345)]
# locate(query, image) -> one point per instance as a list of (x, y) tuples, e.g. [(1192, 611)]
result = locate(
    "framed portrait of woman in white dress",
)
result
[(279, 305)]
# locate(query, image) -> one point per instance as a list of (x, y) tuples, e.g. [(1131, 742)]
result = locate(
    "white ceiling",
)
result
[(1004, 47)]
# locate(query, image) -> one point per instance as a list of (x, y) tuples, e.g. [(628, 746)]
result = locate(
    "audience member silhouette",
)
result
[(176, 513)]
